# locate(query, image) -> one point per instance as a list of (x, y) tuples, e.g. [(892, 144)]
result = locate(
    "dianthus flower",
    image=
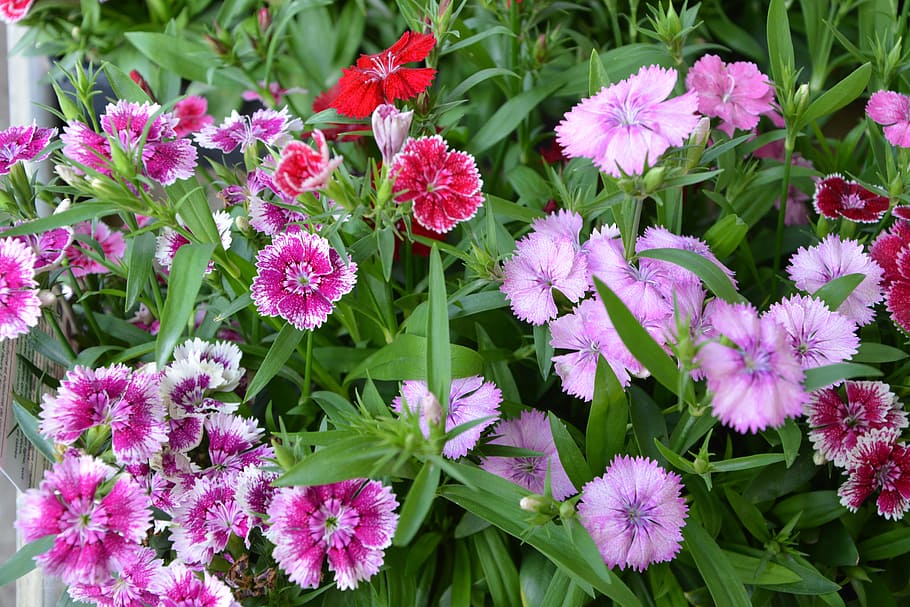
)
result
[(234, 443), (813, 268), (170, 240), (20, 307), (191, 115), (470, 399), (878, 463), (255, 492), (837, 197), (303, 169), (12, 11), (179, 586), (390, 129), (268, 126), (897, 294), (756, 380), (300, 278), (223, 353), (839, 417), (19, 143), (127, 588), (737, 93), (49, 247), (817, 336), (892, 111), (204, 519), (382, 78), (97, 520), (350, 524), (529, 431), (886, 248), (634, 513), (443, 185), (111, 242), (629, 123)]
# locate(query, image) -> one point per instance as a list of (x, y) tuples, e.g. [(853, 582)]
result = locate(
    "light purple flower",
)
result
[(755, 379), (20, 307), (563, 224), (659, 237), (127, 588), (390, 129), (470, 399), (813, 268), (19, 143), (892, 111), (878, 463), (817, 336), (269, 126), (170, 240), (204, 519), (629, 123), (737, 93), (350, 524), (97, 519), (300, 278), (529, 431), (634, 513), (178, 586), (111, 242)]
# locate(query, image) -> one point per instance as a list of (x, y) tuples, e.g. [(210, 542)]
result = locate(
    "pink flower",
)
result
[(49, 247), (562, 224), (19, 143), (20, 307), (629, 123), (97, 520), (350, 524), (170, 240), (12, 11), (813, 268), (892, 111), (529, 431), (127, 588), (178, 586), (191, 116), (235, 443), (300, 278), (390, 129), (634, 513), (839, 417), (470, 399), (255, 492), (269, 126), (82, 257), (836, 197), (737, 93), (303, 169), (878, 463), (887, 247), (817, 336), (204, 519), (897, 294), (755, 379), (443, 185)]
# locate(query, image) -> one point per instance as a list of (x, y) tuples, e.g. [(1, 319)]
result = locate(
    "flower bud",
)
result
[(431, 409), (390, 129), (264, 18), (697, 142), (801, 99), (47, 298), (534, 503), (654, 178)]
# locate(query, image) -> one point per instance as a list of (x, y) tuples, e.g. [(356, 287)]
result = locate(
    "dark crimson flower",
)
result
[(878, 463), (836, 197), (897, 296), (902, 212), (380, 78), (886, 248)]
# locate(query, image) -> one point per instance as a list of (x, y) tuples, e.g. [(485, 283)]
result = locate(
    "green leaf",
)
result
[(186, 276), (122, 85), (719, 575), (190, 59), (811, 581), (194, 211), (725, 235), (507, 118), (819, 377), (790, 437), (713, 277), (839, 95), (761, 572), (279, 353), (498, 568), (406, 358), (385, 239), (510, 210), (471, 40), (780, 44), (235, 306), (835, 547), (24, 560), (543, 350), (648, 423), (871, 352), (569, 454), (674, 459), (82, 211), (417, 504), (597, 75), (28, 423), (139, 267), (344, 460), (439, 364), (461, 576), (608, 418), (815, 508), (886, 545), (476, 78), (838, 290), (746, 463), (750, 516)]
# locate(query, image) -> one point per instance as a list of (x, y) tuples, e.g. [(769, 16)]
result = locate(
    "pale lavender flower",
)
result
[(813, 268), (470, 399), (127, 588), (563, 224), (170, 240), (269, 126), (817, 336), (179, 586), (350, 524), (755, 379), (20, 307), (390, 129), (659, 237), (634, 513), (629, 123), (529, 431), (204, 519), (19, 143)]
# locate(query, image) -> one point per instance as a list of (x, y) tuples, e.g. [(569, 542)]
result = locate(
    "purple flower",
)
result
[(170, 240), (390, 129), (658, 237), (235, 443), (127, 588), (300, 278), (204, 519), (892, 111), (23, 143), (530, 431), (350, 524), (20, 307), (470, 399), (813, 268), (273, 219), (878, 463), (255, 492), (817, 336), (634, 513), (737, 93), (269, 126), (97, 519), (178, 586), (839, 417), (186, 384), (754, 377), (49, 246), (629, 123)]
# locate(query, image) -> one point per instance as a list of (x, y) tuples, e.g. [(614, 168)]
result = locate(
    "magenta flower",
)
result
[(170, 240), (186, 385), (892, 111), (223, 353), (817, 336), (130, 587), (629, 123), (300, 278), (540, 264), (897, 294), (191, 115), (390, 129), (836, 197), (304, 169), (529, 431), (813, 268), (49, 247), (272, 219), (839, 417), (235, 443), (737, 93), (634, 513), (350, 524), (97, 520), (878, 463), (19, 143), (255, 492), (204, 519), (178, 586), (470, 399), (20, 307), (754, 377), (82, 257), (269, 126)]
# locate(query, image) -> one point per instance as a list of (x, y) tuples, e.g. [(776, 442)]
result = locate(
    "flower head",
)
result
[(178, 586), (836, 197), (12, 11), (130, 587), (191, 115), (20, 307), (350, 524), (390, 129), (303, 169), (204, 519), (886, 249), (892, 111), (634, 513), (817, 336), (629, 123), (878, 463), (170, 240), (737, 93), (300, 278), (382, 78), (897, 294), (23, 143), (269, 126), (443, 185), (49, 247)]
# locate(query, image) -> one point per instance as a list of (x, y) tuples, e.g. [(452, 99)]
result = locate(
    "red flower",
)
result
[(14, 10), (885, 250), (878, 463), (444, 185), (836, 197), (303, 169), (380, 78)]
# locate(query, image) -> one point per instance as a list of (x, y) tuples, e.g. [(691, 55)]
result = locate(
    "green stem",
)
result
[(789, 144), (308, 369), (61, 337), (632, 221), (614, 23)]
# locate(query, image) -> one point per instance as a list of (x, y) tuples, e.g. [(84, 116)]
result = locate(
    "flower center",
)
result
[(334, 524), (852, 201), (383, 66)]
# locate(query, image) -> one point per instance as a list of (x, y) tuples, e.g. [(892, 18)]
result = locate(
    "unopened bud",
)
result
[(654, 178), (698, 140), (47, 298), (533, 503), (265, 19), (67, 174), (819, 459), (801, 99), (896, 187), (566, 511), (431, 409), (243, 223), (701, 465), (390, 129)]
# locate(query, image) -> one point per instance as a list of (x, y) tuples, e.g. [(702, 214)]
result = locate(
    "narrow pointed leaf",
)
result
[(24, 560), (282, 349), (608, 418), (569, 454), (139, 267), (186, 276), (439, 364), (710, 273), (719, 575), (840, 94), (835, 292), (417, 504)]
